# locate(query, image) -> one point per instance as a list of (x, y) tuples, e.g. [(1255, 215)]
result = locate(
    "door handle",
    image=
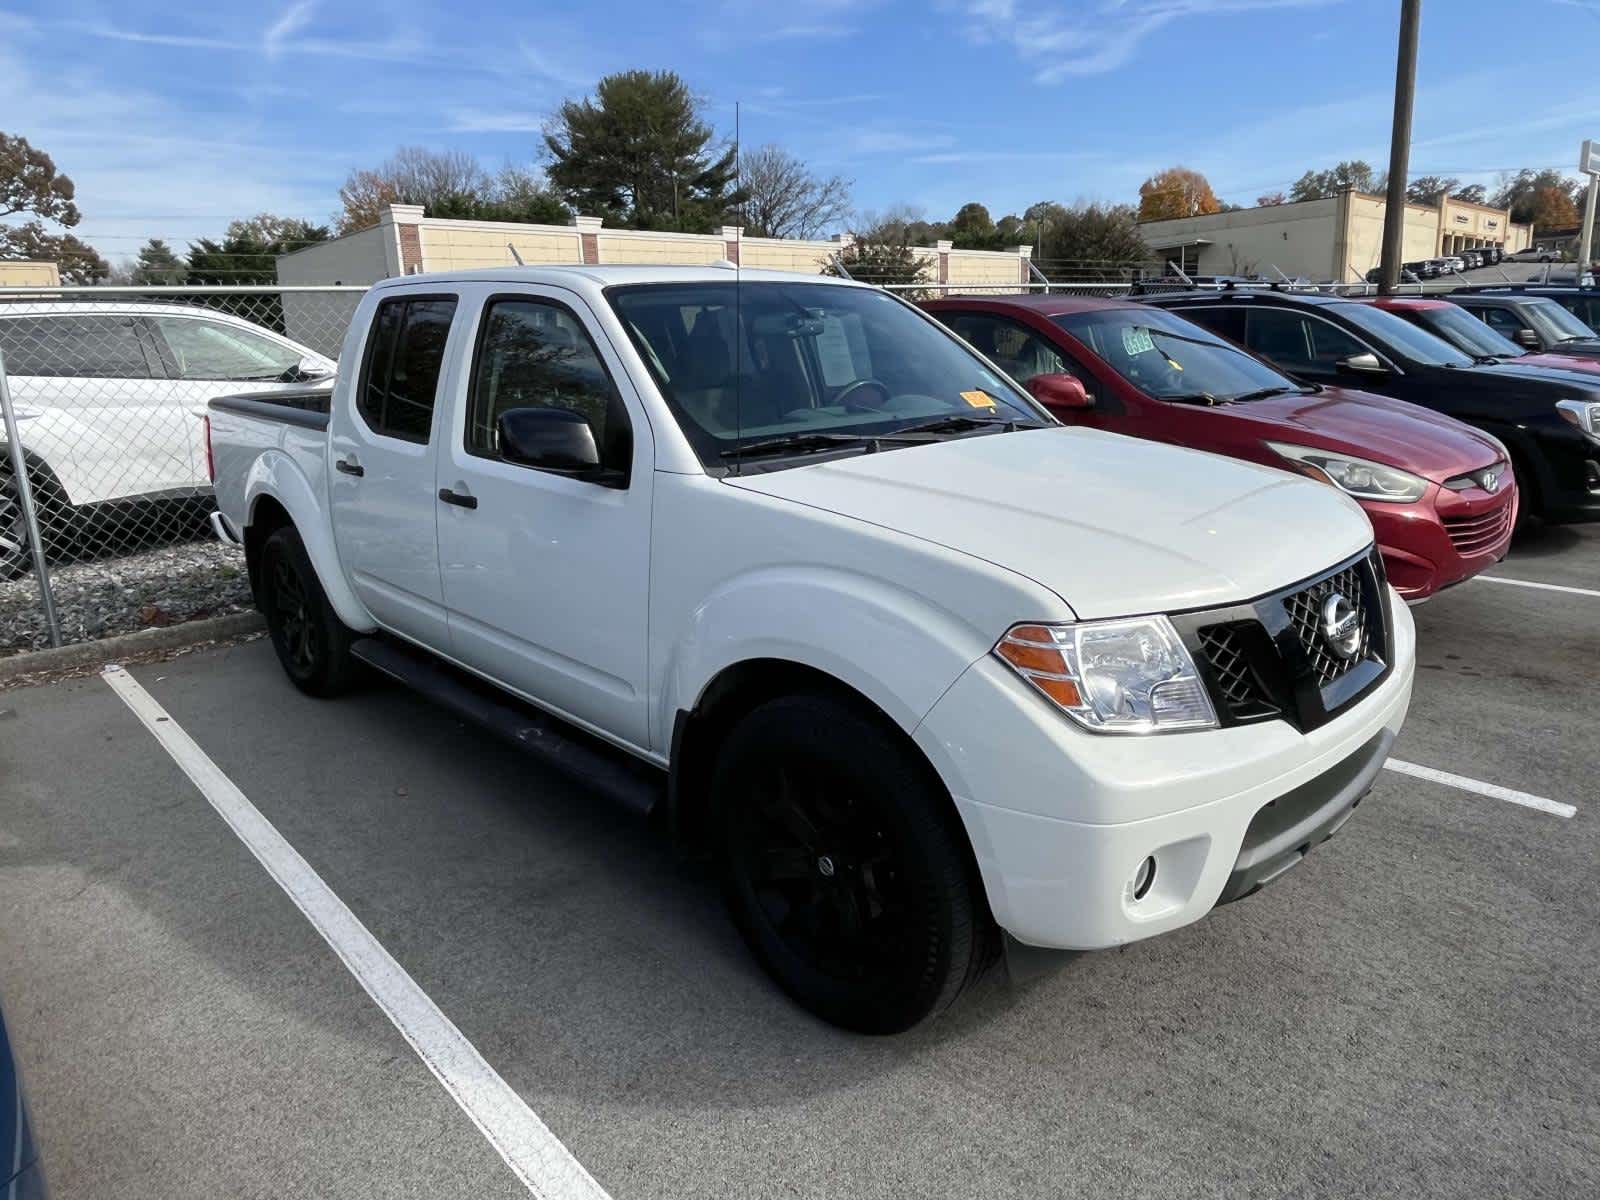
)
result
[(457, 498), (349, 466)]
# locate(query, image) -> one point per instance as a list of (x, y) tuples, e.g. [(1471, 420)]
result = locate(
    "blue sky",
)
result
[(172, 119)]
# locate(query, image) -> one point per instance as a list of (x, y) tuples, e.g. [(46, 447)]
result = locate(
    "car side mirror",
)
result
[(552, 439), (1060, 392), (1365, 363), (1528, 338), (307, 370)]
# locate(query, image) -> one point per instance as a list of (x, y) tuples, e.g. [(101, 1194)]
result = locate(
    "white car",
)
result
[(922, 670), (110, 399), (1536, 254)]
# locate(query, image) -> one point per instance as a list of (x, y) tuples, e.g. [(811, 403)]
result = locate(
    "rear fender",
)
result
[(274, 474)]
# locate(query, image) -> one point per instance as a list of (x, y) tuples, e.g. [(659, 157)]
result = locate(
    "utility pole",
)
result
[(1589, 164), (1405, 91)]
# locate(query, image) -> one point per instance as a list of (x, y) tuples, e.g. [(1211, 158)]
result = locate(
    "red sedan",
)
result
[(1471, 336), (1440, 494)]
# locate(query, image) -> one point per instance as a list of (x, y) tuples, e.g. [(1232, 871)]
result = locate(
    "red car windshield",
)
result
[(1465, 332), (1172, 359)]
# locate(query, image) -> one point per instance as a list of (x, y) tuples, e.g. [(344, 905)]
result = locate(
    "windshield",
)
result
[(808, 361), (1402, 336), (1465, 332), (1554, 323), (1167, 357)]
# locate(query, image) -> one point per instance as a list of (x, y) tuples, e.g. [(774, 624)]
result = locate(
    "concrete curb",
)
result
[(127, 645)]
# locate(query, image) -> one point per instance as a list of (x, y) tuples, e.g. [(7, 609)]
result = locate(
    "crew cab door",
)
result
[(382, 441), (546, 566)]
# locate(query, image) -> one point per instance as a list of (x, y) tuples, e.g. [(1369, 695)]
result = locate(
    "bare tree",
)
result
[(415, 175), (786, 200)]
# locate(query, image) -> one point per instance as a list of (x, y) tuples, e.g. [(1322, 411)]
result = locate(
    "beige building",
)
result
[(405, 242), (29, 274), (1335, 238)]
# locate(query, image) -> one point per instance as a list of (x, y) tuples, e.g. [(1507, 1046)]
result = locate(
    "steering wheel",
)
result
[(850, 389)]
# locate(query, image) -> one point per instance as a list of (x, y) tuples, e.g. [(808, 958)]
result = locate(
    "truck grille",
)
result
[(1271, 659), (1231, 650), (1305, 614), (1476, 534)]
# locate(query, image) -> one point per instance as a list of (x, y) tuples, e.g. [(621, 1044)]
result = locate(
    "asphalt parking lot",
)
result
[(1408, 1013)]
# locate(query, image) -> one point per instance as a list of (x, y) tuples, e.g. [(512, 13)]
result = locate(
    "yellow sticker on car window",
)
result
[(978, 398)]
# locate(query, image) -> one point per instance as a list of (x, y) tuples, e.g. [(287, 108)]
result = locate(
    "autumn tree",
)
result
[(1271, 199), (1520, 192), (1176, 192), (1552, 208), (31, 186), (785, 199), (640, 155)]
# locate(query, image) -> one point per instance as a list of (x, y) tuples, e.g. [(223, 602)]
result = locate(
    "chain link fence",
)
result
[(105, 487)]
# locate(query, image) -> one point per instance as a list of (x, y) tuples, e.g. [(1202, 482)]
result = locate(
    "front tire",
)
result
[(844, 865), (313, 645)]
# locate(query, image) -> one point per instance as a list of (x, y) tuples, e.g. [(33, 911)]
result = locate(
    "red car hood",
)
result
[(1560, 362), (1379, 428)]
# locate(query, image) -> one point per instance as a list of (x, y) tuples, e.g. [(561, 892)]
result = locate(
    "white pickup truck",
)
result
[(925, 673)]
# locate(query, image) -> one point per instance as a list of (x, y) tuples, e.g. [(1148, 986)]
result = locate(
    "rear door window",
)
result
[(91, 346), (405, 355), (1502, 321), (1281, 336)]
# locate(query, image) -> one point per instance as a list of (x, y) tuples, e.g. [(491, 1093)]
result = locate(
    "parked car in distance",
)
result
[(1581, 302), (1407, 275), (110, 400), (1536, 254), (1471, 259), (1327, 339), (1531, 321), (877, 632), (21, 1176), (1425, 269), (1439, 494)]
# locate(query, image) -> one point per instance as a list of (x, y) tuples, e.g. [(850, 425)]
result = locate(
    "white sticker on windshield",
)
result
[(834, 351), (1136, 340)]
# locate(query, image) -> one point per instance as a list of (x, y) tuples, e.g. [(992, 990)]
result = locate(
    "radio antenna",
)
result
[(738, 294)]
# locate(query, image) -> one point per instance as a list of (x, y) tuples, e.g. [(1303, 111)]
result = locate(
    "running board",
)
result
[(579, 756)]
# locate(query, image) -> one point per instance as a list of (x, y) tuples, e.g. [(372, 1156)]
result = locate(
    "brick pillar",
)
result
[(944, 249), (589, 238), (730, 240), (405, 220)]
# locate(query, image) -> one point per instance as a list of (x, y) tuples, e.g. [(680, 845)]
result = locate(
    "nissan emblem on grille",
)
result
[(1341, 625)]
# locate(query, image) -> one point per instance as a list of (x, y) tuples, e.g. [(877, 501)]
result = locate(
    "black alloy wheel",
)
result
[(844, 864), (312, 644)]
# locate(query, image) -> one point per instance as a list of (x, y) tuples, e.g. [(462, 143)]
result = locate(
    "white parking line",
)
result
[(1543, 587), (1511, 795), (534, 1154)]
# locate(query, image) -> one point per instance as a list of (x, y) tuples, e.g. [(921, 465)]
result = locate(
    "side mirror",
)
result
[(1059, 392), (1528, 338), (307, 370), (554, 439), (1365, 363)]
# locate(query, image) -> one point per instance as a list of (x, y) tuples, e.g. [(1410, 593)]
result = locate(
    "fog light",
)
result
[(1143, 878)]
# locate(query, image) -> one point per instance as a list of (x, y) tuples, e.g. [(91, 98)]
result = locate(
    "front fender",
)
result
[(898, 649), (275, 474)]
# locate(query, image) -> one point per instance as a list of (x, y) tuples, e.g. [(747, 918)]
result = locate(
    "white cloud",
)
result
[(292, 20), (1063, 44)]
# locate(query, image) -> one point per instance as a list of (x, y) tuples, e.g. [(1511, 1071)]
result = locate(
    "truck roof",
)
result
[(608, 276)]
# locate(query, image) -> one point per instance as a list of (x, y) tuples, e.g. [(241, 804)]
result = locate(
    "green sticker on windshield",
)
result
[(1136, 340)]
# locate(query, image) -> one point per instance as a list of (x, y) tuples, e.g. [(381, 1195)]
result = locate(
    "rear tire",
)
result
[(313, 645), (844, 865), (57, 522)]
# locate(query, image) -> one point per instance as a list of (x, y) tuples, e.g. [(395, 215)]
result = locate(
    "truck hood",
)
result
[(1113, 525), (1389, 431)]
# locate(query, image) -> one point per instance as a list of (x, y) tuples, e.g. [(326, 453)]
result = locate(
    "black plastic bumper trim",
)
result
[(1284, 830)]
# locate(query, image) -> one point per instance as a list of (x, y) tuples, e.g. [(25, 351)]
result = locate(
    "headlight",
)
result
[(1585, 414), (1125, 676), (1360, 478)]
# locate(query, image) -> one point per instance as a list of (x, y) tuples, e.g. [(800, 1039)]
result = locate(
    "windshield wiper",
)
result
[(956, 423), (1264, 393), (1195, 398), (801, 443)]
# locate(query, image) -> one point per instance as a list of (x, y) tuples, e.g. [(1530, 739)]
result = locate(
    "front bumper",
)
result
[(1420, 556), (1061, 820)]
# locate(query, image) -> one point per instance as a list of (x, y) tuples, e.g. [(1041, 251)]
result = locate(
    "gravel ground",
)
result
[(161, 586)]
